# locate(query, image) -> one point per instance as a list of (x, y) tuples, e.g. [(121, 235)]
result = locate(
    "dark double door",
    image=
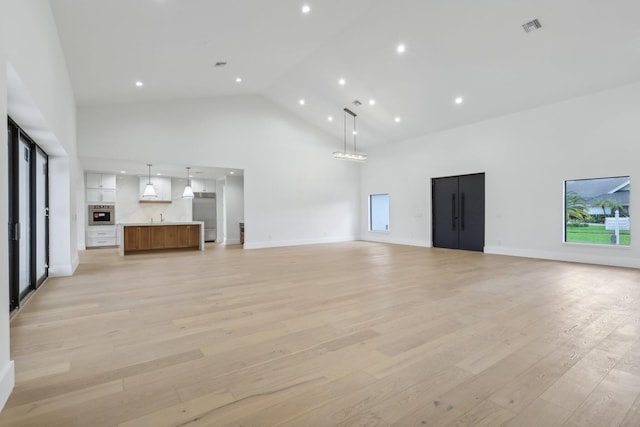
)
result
[(458, 212)]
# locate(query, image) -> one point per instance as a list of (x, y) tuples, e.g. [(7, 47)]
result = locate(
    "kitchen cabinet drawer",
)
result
[(101, 232), (93, 242)]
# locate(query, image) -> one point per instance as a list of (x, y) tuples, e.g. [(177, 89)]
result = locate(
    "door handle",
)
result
[(462, 211), (453, 211), (14, 231)]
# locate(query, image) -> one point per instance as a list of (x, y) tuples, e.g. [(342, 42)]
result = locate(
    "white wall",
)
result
[(234, 208), (42, 103), (294, 191), (221, 219), (6, 364), (81, 209), (526, 157), (35, 90)]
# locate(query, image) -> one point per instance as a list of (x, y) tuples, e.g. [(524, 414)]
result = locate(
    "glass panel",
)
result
[(597, 211), (41, 215), (24, 153), (379, 220)]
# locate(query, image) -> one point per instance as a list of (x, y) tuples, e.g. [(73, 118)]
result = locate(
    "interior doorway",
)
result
[(458, 204)]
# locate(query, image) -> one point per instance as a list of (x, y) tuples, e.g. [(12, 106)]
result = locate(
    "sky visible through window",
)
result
[(379, 213)]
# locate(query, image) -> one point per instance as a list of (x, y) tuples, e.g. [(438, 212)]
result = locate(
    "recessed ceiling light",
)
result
[(123, 171), (306, 9), (158, 174), (330, 118), (372, 102), (238, 79), (301, 102), (397, 120), (342, 82), (232, 173), (459, 100), (401, 48), (139, 84)]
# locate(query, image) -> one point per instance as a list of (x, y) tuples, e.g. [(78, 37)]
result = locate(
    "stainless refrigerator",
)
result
[(204, 209)]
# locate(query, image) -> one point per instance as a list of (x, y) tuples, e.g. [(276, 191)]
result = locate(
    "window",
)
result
[(597, 211), (379, 212)]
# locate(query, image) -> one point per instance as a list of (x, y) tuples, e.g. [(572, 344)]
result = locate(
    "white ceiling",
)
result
[(470, 48)]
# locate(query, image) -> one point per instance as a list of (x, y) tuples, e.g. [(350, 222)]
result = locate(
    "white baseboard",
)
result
[(618, 260), (284, 243), (232, 242), (7, 381), (64, 270), (382, 238), (75, 263), (61, 270)]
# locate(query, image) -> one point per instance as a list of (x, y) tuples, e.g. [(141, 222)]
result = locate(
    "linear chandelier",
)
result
[(354, 155)]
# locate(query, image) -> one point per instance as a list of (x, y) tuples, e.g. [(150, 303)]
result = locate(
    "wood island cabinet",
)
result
[(158, 240), (137, 238), (171, 235), (188, 236), (154, 237)]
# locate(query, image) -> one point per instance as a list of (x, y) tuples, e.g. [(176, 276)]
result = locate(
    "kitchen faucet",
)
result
[(161, 218)]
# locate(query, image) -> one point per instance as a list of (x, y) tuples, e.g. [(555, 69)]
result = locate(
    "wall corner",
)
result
[(7, 381)]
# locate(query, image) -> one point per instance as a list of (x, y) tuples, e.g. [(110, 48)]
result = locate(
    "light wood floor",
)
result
[(343, 334)]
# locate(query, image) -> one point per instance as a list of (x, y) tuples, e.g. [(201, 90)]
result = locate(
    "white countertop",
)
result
[(141, 224)]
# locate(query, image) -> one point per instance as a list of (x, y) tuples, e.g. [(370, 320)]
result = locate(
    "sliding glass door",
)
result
[(41, 217), (24, 216), (28, 215)]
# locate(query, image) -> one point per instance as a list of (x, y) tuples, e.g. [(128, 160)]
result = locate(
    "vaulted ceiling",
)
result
[(476, 50)]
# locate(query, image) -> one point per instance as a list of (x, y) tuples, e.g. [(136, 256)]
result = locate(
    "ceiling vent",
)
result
[(357, 103), (221, 64), (532, 25)]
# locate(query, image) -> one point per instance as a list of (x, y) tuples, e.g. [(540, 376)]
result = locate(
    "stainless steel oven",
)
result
[(102, 215)]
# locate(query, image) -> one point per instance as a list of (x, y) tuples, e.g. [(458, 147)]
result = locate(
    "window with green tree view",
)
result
[(597, 211)]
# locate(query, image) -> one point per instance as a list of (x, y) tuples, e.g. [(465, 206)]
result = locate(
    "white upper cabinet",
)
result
[(101, 180), (203, 185), (101, 188), (96, 195), (161, 184), (109, 181)]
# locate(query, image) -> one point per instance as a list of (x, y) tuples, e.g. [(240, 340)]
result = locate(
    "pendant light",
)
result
[(353, 156), (149, 191), (188, 192)]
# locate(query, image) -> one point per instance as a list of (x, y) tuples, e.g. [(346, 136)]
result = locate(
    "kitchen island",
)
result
[(162, 236)]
